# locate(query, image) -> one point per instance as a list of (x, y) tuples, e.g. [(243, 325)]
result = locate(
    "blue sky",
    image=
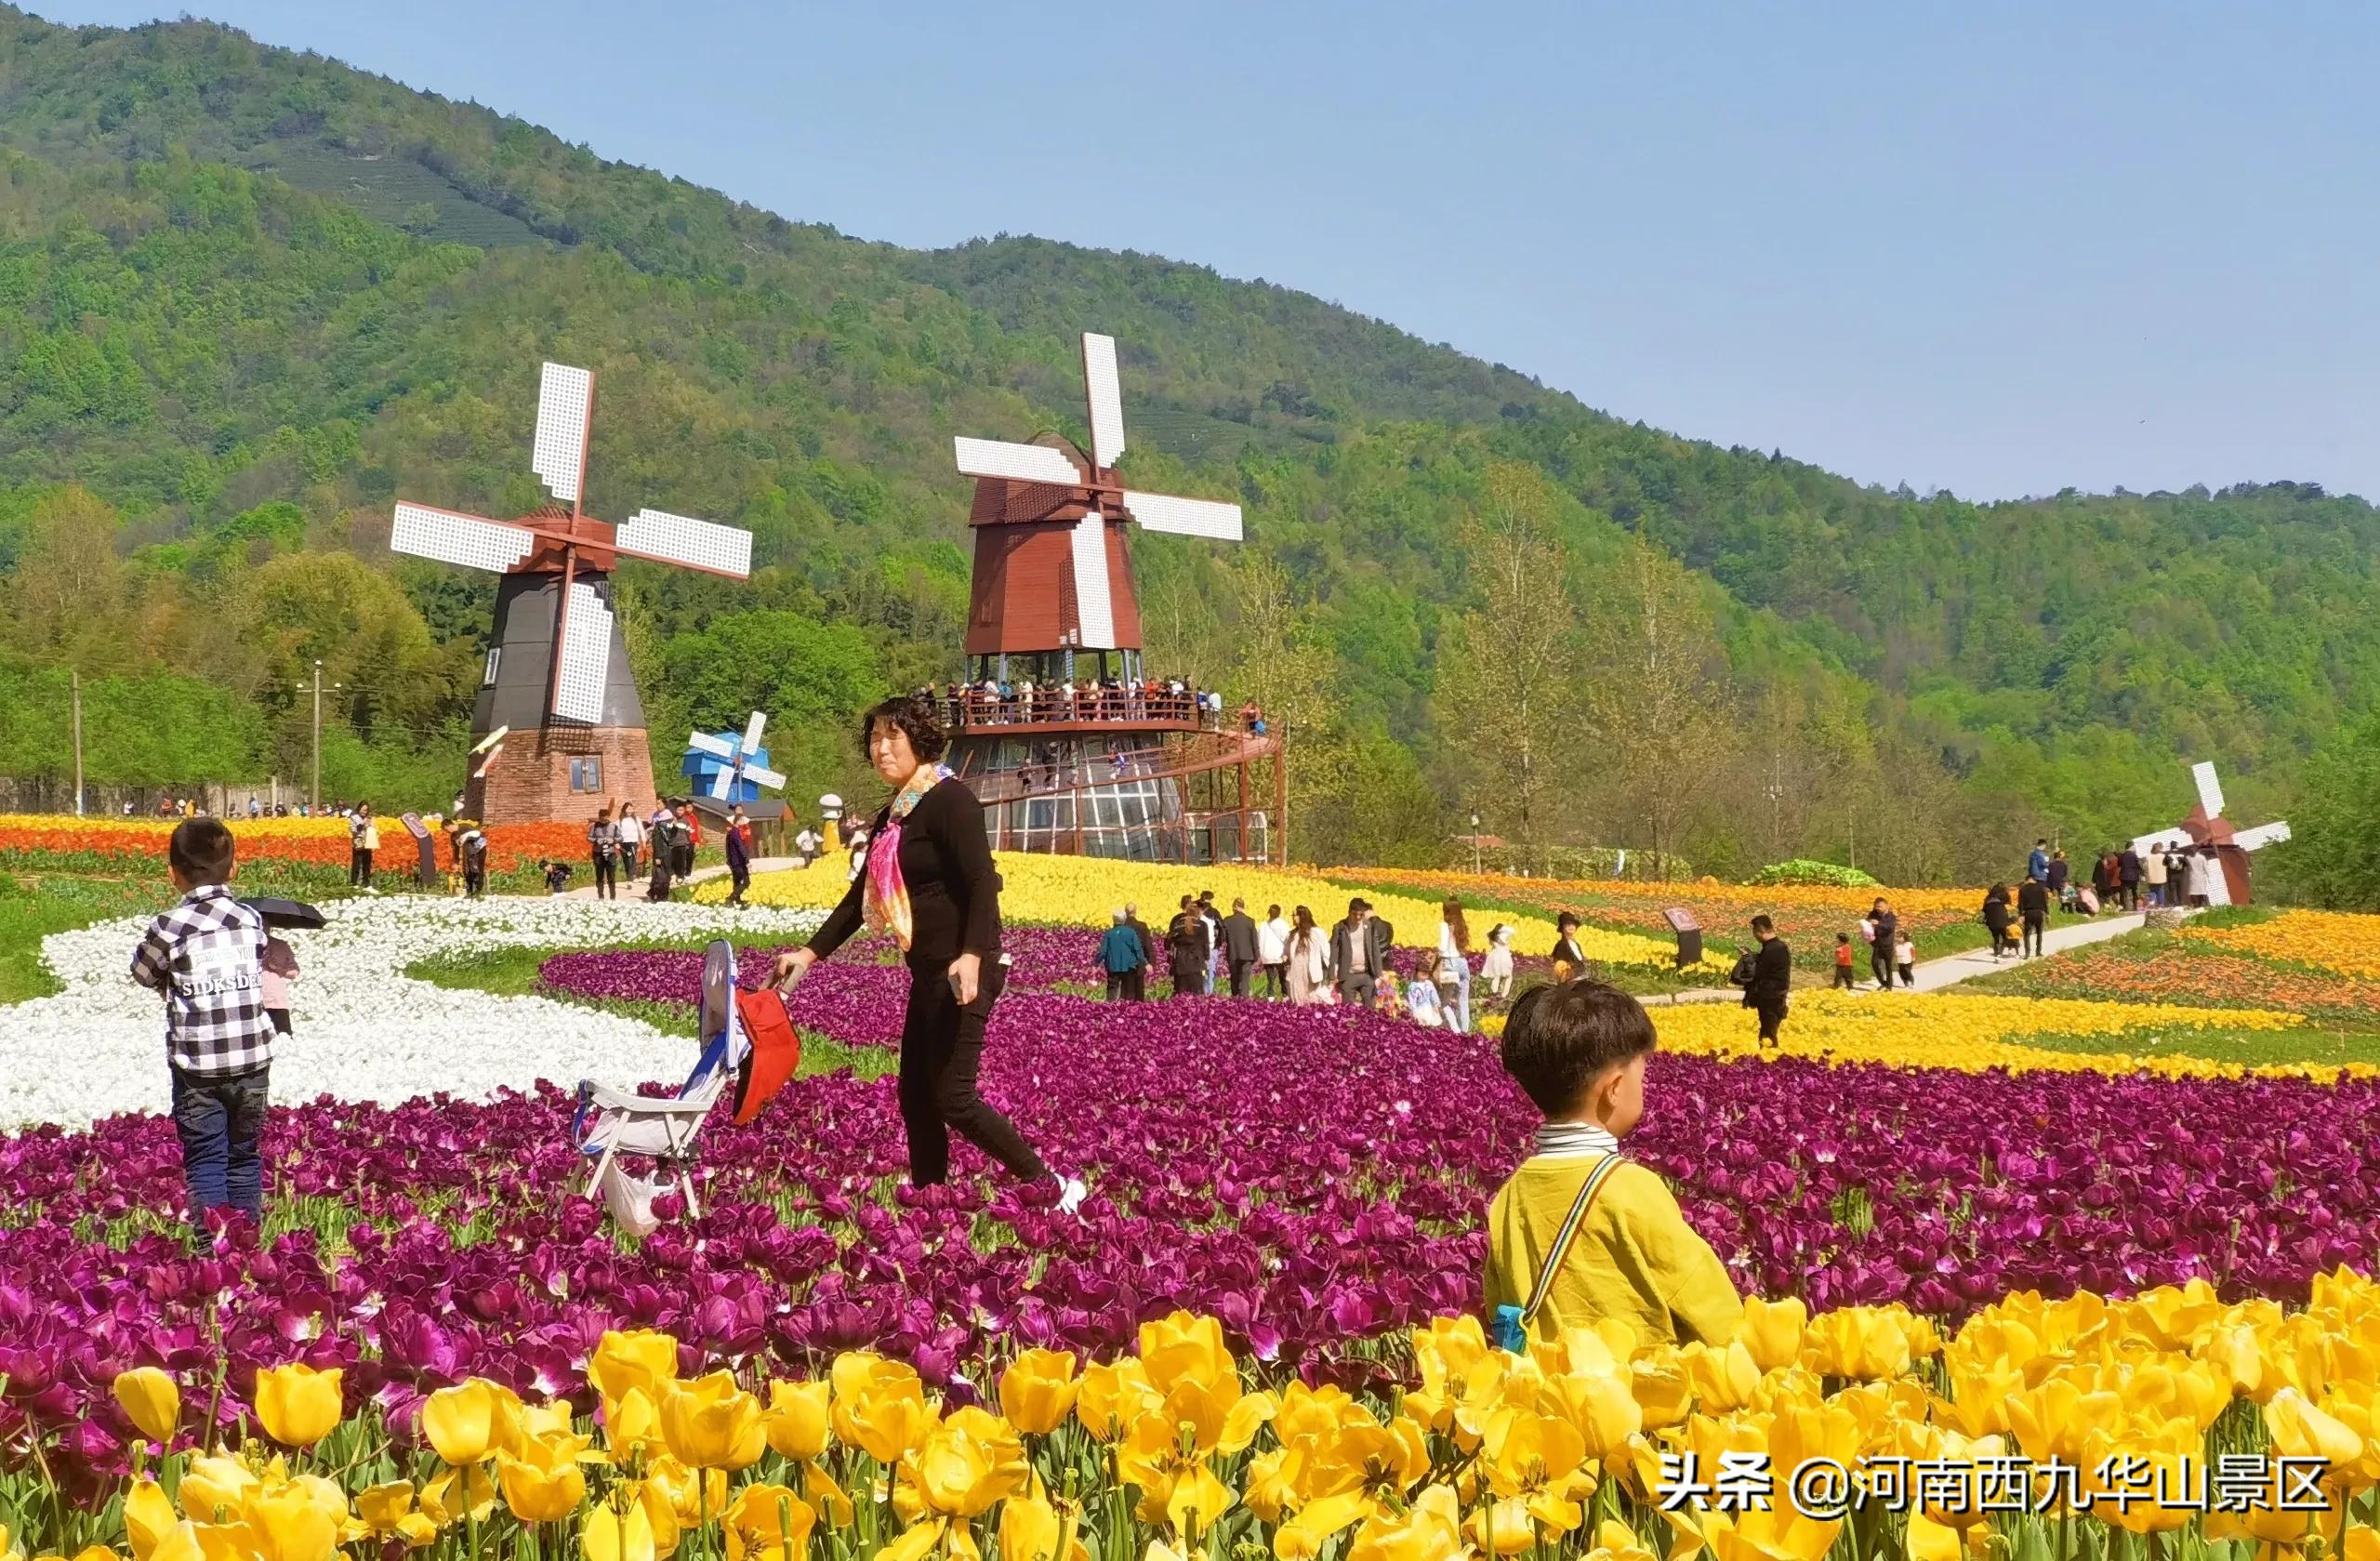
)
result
[(1999, 249)]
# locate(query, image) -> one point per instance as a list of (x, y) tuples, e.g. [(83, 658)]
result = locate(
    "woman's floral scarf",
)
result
[(885, 904)]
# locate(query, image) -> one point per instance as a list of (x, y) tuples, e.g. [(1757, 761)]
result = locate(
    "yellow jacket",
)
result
[(1636, 1258)]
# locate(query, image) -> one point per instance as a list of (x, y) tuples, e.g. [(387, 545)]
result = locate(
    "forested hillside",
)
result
[(248, 296)]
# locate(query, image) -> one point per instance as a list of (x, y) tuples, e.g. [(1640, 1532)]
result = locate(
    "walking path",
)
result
[(700, 875), (1933, 975)]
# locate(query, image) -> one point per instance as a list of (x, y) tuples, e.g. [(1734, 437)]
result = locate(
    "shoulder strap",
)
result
[(1571, 1224)]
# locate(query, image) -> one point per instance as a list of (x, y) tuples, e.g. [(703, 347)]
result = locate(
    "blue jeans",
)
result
[(1461, 1001), (220, 1119)]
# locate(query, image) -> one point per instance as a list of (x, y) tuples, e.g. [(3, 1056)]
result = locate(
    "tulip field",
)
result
[(53, 842), (1978, 1228)]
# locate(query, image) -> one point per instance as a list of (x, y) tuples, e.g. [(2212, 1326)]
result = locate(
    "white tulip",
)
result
[(364, 1030)]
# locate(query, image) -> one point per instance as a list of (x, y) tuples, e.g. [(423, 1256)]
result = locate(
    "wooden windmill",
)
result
[(2207, 827), (1052, 570), (557, 669)]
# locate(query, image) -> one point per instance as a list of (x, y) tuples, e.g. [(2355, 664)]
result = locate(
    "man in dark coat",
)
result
[(1772, 978), (1359, 949), (2033, 913), (1185, 950), (1240, 948), (2128, 875), (1148, 939)]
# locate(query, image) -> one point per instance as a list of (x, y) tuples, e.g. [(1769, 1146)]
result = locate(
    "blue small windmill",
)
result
[(730, 771)]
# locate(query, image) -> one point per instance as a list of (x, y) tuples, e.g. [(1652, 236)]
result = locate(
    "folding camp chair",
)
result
[(610, 1123)]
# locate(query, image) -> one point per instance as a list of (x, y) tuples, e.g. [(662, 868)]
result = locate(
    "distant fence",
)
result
[(50, 794), (1572, 862)]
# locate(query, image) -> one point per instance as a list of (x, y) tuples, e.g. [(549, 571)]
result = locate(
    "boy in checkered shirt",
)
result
[(206, 956)]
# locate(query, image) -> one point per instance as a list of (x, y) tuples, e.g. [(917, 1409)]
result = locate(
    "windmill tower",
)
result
[(1054, 573), (2207, 827), (1053, 604), (557, 672)]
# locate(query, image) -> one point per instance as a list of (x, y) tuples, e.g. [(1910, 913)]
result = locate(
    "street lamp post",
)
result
[(1475, 845)]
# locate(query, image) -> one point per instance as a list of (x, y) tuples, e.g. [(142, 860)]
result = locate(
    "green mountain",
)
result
[(249, 296)]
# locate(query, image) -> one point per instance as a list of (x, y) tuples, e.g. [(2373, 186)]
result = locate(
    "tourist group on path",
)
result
[(1204, 952)]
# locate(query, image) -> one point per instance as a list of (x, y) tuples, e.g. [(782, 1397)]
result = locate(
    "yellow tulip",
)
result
[(1032, 1529), (1772, 1330), (967, 1463), (1113, 1395), (297, 1404), (642, 1360), (152, 1400), (147, 1518), (1722, 1378), (382, 1507), (1431, 1530), (543, 1483), (1038, 1390), (608, 1535), (631, 1421), (796, 1422), (1183, 1347), (2299, 1430), (879, 1407), (215, 1488), (768, 1522), (465, 1492), (712, 1423), (1316, 1523), (292, 1523), (471, 1422), (694, 1496)]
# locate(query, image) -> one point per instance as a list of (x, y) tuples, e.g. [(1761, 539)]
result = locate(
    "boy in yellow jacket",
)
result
[(1578, 1050)]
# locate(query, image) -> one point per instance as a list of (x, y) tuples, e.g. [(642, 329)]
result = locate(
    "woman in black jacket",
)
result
[(929, 881), (1995, 919)]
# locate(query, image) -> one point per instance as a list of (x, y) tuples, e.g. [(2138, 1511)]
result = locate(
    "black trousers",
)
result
[(1277, 979), (1880, 965), (359, 867), (941, 1045), (739, 874), (1243, 972), (1772, 1016), (607, 877), (2032, 934), (1129, 986)]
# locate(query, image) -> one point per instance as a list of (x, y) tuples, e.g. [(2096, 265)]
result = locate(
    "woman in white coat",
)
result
[(1454, 964), (1310, 971), (1495, 965)]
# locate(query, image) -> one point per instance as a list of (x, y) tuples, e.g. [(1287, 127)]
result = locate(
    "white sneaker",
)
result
[(1071, 1192)]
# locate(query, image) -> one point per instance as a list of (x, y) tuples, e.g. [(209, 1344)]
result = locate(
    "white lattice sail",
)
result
[(565, 403), (667, 538), (586, 652), (1094, 603), (1185, 517), (450, 538), (1105, 396), (1018, 463)]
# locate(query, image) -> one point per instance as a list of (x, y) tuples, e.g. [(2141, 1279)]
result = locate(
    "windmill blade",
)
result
[(451, 536), (1107, 397), (667, 538), (759, 774), (2210, 790), (586, 657), (1018, 463), (1185, 517), (565, 404), (717, 747), (723, 783), (1095, 606), (2262, 835), (488, 764), (492, 739), (752, 730)]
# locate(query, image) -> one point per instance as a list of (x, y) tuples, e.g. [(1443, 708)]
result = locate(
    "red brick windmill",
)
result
[(1111, 771), (558, 671), (1052, 570)]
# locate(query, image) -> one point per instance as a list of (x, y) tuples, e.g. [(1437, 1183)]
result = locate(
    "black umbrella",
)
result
[(284, 914)]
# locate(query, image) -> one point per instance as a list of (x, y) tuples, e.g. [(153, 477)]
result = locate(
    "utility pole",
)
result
[(1475, 845), (317, 800), (74, 680)]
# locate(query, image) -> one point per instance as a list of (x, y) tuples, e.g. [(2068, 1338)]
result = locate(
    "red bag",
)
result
[(776, 1051)]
